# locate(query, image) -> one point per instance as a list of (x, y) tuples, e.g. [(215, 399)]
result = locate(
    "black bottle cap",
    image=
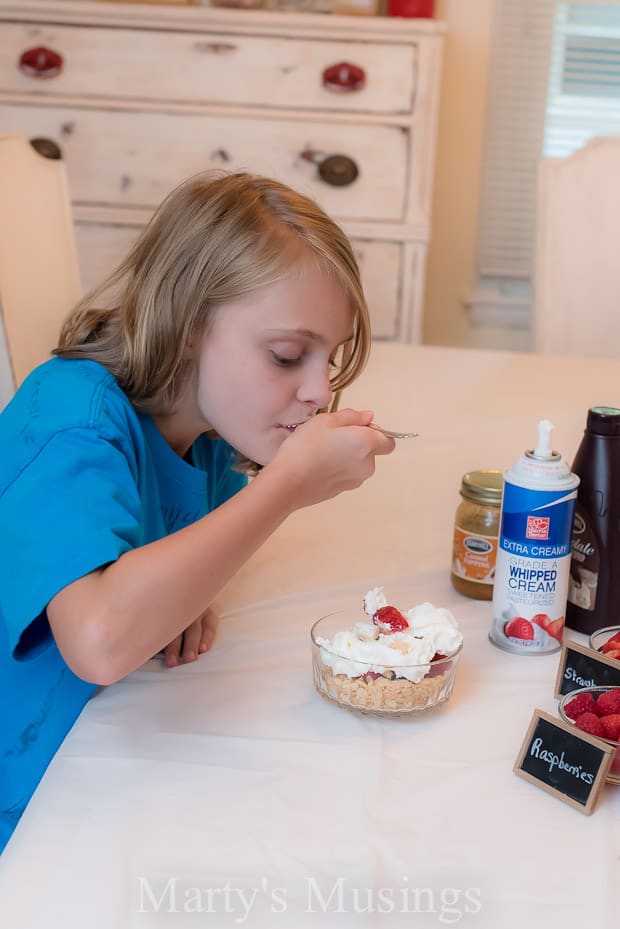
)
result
[(604, 420)]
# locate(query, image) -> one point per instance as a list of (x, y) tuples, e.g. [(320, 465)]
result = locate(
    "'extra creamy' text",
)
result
[(536, 551)]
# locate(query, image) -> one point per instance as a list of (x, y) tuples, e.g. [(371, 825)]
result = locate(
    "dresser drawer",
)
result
[(101, 246), (122, 158), (381, 268), (211, 67)]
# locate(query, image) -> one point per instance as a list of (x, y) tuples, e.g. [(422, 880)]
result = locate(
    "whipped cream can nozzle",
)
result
[(543, 445)]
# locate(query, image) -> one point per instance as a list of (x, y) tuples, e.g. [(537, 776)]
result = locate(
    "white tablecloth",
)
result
[(228, 793)]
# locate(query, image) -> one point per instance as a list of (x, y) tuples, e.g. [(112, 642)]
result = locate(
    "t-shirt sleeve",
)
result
[(74, 508)]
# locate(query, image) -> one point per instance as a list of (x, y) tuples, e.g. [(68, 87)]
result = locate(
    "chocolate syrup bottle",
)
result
[(594, 584)]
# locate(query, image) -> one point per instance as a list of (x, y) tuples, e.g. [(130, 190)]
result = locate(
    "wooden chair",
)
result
[(39, 277), (576, 307)]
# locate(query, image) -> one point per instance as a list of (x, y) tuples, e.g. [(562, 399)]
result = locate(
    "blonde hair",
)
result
[(215, 238)]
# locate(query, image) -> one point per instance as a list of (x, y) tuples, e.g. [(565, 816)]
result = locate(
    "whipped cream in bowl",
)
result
[(381, 660)]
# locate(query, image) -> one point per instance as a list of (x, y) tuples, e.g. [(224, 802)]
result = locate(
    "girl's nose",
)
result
[(316, 388)]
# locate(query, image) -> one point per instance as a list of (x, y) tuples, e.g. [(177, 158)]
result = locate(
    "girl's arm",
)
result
[(109, 622)]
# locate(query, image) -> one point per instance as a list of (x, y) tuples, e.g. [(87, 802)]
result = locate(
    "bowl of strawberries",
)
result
[(607, 642), (596, 710)]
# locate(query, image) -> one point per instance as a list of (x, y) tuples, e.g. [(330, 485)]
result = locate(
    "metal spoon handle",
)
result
[(394, 435)]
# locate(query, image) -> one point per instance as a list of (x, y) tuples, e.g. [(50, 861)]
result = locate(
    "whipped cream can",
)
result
[(534, 551)]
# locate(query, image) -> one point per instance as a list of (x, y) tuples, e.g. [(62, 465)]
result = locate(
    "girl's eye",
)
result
[(284, 361)]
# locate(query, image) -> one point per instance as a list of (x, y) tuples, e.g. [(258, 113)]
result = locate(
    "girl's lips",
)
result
[(293, 426)]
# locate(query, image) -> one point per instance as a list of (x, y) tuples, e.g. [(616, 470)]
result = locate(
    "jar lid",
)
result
[(483, 487)]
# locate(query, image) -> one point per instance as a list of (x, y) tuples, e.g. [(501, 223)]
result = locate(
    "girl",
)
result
[(123, 499)]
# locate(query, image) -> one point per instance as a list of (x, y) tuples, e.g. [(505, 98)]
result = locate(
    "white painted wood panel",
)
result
[(102, 246), (213, 67), (577, 274), (123, 158), (39, 278), (380, 265)]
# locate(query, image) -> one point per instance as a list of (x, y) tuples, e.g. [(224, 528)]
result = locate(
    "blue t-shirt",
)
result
[(83, 479)]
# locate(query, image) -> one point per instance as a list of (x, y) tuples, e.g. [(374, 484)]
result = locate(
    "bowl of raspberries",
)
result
[(596, 710)]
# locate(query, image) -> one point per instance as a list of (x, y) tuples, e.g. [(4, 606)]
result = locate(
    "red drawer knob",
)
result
[(344, 78), (40, 62)]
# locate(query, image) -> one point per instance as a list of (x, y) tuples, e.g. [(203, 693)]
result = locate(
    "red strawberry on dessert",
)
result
[(611, 726), (582, 703), (609, 702), (541, 619), (389, 619), (442, 668), (519, 628), (589, 722)]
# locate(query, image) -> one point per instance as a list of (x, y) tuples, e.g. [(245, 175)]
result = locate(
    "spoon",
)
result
[(394, 435)]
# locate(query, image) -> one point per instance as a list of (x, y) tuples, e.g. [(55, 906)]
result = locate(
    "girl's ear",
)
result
[(192, 345)]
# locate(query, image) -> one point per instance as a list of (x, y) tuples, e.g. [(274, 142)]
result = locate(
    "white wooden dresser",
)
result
[(138, 97)]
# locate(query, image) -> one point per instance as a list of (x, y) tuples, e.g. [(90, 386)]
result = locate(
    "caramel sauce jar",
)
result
[(476, 529)]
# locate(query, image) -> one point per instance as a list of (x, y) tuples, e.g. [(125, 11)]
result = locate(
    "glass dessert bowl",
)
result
[(405, 665), (579, 706)]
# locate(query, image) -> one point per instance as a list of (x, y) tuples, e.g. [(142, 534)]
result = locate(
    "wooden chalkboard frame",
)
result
[(607, 754), (590, 656)]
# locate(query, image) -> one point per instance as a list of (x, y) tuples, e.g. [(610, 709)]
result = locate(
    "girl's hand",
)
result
[(197, 638), (330, 453)]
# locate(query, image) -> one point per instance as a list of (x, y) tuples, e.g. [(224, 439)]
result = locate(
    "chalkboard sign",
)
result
[(564, 761), (583, 667)]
